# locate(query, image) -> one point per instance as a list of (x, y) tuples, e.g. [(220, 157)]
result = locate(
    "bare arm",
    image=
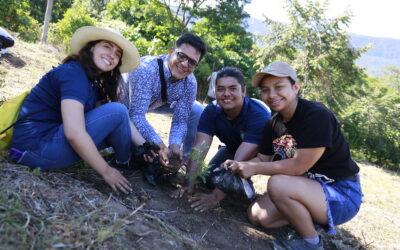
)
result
[(262, 158), (76, 134), (137, 138), (302, 161), (246, 151), (202, 145)]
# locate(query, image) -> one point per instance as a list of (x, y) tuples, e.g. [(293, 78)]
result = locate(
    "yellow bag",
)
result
[(9, 111)]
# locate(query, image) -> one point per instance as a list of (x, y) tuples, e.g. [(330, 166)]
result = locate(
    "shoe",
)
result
[(296, 244)]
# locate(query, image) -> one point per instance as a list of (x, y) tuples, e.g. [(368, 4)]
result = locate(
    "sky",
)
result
[(377, 18)]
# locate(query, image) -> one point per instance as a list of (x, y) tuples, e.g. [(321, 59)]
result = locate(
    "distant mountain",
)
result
[(384, 52)]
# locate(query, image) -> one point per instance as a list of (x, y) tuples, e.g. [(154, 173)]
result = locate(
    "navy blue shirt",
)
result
[(67, 81), (247, 127)]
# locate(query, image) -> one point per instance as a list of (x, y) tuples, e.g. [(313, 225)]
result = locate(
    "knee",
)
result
[(252, 214), (277, 186), (117, 109)]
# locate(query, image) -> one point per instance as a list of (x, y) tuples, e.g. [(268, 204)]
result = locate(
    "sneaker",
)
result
[(296, 244)]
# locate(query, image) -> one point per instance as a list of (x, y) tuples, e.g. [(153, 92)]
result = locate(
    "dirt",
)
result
[(160, 223), (75, 209)]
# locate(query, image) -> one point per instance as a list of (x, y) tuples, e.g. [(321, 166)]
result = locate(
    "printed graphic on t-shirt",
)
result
[(284, 147)]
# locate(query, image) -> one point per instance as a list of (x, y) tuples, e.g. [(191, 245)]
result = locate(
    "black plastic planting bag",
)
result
[(231, 183)]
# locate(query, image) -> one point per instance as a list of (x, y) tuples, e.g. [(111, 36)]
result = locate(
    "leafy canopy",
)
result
[(317, 47)]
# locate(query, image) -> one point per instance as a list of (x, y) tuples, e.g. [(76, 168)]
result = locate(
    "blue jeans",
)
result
[(193, 121), (343, 199), (220, 157), (107, 125)]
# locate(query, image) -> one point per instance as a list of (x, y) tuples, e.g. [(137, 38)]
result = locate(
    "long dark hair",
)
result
[(107, 81)]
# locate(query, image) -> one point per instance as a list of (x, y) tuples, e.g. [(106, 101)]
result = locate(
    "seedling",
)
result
[(199, 173)]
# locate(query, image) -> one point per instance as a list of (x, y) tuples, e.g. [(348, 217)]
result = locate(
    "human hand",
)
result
[(242, 168), (164, 151), (179, 192), (150, 157), (175, 151), (116, 181), (203, 202)]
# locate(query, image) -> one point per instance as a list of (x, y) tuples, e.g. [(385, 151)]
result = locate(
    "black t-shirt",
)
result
[(312, 125)]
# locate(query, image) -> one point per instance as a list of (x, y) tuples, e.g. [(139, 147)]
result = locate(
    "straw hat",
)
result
[(130, 55)]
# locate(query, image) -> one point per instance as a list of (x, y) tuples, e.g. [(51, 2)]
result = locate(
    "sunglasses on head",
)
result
[(183, 57)]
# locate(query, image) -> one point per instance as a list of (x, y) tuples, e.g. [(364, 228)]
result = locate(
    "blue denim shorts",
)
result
[(343, 200)]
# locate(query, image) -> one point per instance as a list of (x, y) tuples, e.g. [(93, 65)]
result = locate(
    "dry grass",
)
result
[(378, 223), (377, 226), (26, 63)]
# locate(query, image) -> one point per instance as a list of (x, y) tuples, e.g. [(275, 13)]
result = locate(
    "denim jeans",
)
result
[(107, 125), (343, 199), (193, 121), (220, 157)]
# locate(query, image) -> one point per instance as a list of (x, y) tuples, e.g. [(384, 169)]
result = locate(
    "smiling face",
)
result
[(106, 55), (229, 95), (182, 61), (280, 95)]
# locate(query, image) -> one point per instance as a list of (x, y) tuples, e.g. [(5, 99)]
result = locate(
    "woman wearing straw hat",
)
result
[(72, 112)]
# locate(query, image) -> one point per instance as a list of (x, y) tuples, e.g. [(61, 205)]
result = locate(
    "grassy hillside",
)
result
[(24, 66), (75, 209)]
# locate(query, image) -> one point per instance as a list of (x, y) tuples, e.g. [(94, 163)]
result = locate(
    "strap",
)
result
[(162, 79), (20, 119)]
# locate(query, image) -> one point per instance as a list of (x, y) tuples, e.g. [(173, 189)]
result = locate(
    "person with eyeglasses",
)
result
[(143, 92)]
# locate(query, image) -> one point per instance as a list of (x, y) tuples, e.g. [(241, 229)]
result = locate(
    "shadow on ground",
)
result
[(14, 61)]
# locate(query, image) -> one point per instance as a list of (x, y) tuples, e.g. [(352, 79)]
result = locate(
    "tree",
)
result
[(391, 77), (38, 9), (149, 20), (47, 20), (371, 123), (74, 18), (15, 16), (185, 11), (229, 44), (318, 48)]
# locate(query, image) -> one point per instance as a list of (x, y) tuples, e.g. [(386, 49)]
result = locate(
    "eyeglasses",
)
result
[(183, 57)]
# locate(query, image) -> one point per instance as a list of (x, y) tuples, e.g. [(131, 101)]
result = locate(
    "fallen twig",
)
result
[(208, 229)]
